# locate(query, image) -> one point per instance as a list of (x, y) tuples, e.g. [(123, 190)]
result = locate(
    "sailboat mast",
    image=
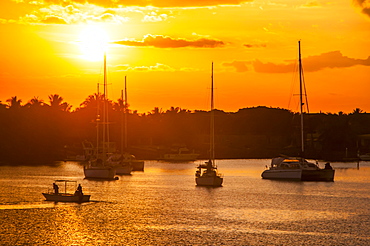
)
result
[(97, 121), (122, 123), (125, 110), (212, 133), (301, 95), (104, 123)]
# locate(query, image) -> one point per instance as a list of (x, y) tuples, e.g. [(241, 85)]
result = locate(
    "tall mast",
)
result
[(212, 132), (125, 114), (122, 123), (97, 121), (301, 95), (105, 96)]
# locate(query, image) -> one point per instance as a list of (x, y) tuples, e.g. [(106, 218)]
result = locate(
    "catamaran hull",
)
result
[(99, 172), (318, 175), (300, 175), (66, 197), (282, 174), (209, 181)]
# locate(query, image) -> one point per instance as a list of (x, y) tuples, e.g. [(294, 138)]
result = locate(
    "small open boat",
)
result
[(56, 196)]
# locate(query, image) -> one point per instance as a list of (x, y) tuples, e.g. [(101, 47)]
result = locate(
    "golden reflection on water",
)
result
[(278, 215), (26, 206), (162, 206), (70, 225)]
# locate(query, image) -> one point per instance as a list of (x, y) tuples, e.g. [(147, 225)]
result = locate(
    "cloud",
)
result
[(311, 4), (155, 17), (254, 45), (333, 59), (75, 14), (364, 5), (53, 20), (156, 67), (240, 66), (159, 41), (144, 3)]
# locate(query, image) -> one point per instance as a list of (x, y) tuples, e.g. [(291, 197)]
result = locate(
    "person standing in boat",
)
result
[(56, 188)]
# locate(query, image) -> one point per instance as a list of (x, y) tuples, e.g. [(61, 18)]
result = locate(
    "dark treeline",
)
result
[(41, 132)]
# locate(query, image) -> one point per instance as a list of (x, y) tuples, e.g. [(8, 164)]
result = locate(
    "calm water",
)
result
[(162, 206)]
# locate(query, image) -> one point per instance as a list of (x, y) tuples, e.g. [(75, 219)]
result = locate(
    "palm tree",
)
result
[(35, 102), (174, 110), (92, 100), (55, 100), (357, 111), (120, 105), (156, 111), (66, 107), (14, 102)]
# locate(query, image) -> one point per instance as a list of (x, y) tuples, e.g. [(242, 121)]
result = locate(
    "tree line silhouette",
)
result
[(40, 132)]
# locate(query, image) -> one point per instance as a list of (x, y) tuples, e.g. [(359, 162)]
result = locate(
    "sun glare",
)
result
[(93, 41)]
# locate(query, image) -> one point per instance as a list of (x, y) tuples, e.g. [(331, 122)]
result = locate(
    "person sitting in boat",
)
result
[(328, 166), (209, 165), (56, 188), (79, 190)]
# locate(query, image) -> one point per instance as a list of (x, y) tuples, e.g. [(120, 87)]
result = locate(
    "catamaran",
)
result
[(298, 168)]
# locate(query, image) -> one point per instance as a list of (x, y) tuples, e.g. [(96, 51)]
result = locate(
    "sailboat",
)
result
[(125, 162), (97, 167), (207, 174), (298, 168)]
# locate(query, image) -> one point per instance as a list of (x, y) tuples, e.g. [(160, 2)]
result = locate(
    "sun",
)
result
[(93, 42)]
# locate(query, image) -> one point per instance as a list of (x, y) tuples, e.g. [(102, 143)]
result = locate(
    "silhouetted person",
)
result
[(79, 189), (328, 166), (56, 188)]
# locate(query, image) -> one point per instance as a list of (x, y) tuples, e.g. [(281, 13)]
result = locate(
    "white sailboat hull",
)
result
[(124, 169), (137, 165), (214, 181), (99, 172)]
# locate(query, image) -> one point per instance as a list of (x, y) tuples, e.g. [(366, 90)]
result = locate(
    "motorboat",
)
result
[(56, 196), (180, 154), (207, 174), (364, 157)]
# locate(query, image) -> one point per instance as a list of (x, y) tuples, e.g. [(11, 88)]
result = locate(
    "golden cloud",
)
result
[(333, 59), (159, 41)]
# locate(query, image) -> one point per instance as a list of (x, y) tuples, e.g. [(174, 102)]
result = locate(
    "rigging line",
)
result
[(305, 92), (293, 83)]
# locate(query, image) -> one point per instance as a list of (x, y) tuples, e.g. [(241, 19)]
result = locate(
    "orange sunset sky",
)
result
[(165, 48)]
